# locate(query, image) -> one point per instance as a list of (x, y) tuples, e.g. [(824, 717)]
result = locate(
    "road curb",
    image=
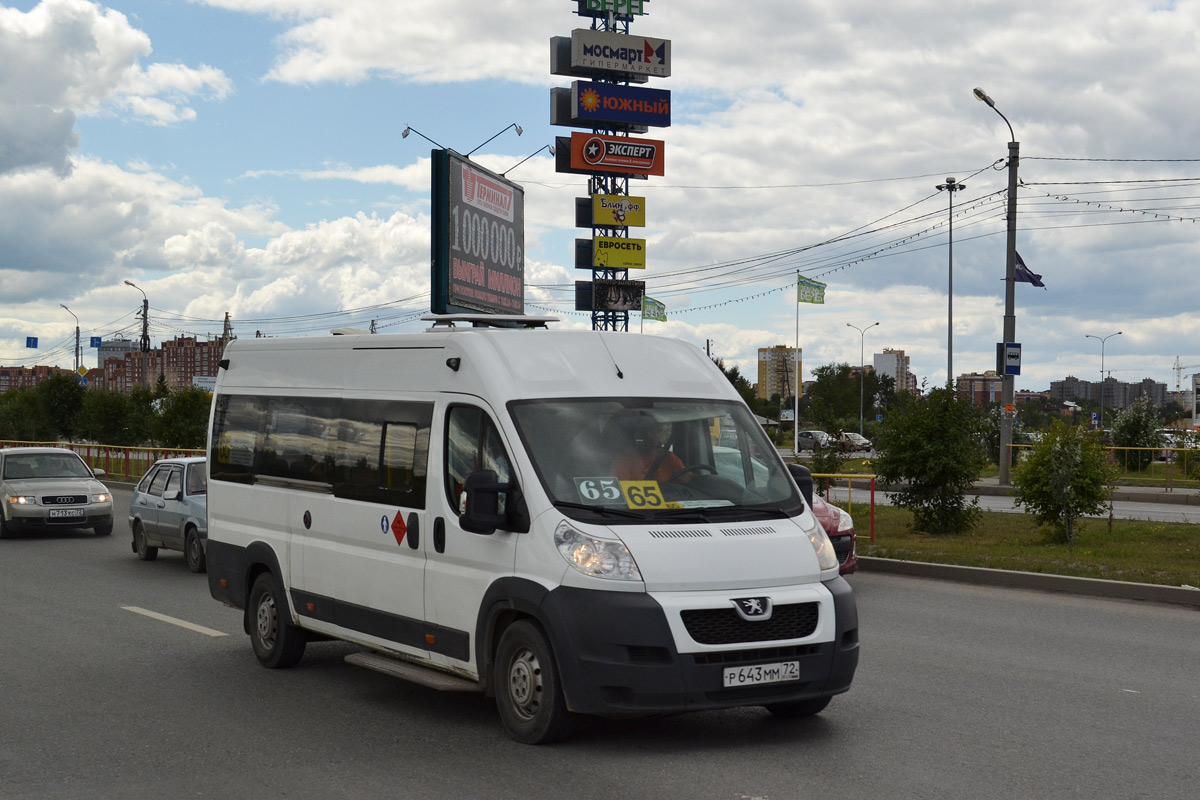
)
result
[(982, 576)]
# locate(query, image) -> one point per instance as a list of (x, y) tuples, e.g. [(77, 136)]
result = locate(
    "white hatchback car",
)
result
[(43, 488)]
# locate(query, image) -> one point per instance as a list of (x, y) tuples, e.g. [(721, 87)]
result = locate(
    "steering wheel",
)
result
[(692, 468)]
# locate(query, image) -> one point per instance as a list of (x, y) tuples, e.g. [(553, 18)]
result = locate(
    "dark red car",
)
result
[(839, 526)]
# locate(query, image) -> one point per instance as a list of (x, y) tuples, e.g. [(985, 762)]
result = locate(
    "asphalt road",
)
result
[(1122, 509), (962, 692)]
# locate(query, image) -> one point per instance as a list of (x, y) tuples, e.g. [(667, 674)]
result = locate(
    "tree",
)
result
[(1063, 477), (104, 418), (834, 397), (1137, 426), (61, 397), (182, 420), (931, 451), (23, 418)]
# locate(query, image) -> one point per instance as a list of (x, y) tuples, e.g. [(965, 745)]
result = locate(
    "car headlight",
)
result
[(826, 558), (845, 522), (597, 558), (101, 498), (22, 500)]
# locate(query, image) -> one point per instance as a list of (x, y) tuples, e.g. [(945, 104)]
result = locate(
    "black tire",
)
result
[(799, 708), (103, 530), (527, 686), (140, 546), (277, 643), (193, 548)]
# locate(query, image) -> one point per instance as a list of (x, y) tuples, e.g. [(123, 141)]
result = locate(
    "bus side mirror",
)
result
[(481, 507), (802, 475)]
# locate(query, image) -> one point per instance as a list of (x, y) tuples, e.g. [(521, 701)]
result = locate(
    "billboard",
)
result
[(610, 252), (478, 246), (593, 103), (622, 10), (596, 152), (609, 295), (616, 211), (619, 53)]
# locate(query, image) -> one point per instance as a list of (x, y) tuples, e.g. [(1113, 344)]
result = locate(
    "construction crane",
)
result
[(1179, 368)]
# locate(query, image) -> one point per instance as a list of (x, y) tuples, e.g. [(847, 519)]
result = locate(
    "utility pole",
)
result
[(145, 335), (1010, 280), (72, 313), (950, 187)]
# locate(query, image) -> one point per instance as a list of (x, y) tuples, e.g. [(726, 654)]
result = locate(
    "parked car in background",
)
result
[(169, 509), (839, 527), (850, 442), (810, 440), (42, 488)]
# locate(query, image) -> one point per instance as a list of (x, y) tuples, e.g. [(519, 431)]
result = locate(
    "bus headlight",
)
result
[(598, 558)]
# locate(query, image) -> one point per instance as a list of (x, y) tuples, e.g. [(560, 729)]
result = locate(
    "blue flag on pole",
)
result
[(1026, 275)]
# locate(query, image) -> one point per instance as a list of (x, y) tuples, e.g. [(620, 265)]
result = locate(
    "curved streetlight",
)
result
[(1010, 280), (403, 135), (1102, 339), (145, 333), (950, 187), (862, 368), (73, 314), (549, 148), (502, 130)]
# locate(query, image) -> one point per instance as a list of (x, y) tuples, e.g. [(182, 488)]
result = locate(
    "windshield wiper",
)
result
[(615, 512)]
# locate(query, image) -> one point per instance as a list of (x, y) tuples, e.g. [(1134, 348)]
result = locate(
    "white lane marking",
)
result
[(191, 626)]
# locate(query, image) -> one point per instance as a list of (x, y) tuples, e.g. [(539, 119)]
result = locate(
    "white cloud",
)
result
[(65, 58)]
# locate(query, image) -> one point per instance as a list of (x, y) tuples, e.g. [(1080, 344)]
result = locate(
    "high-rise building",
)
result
[(778, 368), (895, 364)]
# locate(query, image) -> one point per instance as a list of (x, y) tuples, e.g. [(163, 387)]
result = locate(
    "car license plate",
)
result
[(66, 513), (762, 673)]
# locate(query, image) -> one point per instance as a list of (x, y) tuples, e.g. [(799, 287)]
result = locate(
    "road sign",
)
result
[(31, 341), (82, 381), (1095, 418), (1012, 358)]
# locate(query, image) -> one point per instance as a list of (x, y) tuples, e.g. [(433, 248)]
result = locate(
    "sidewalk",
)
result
[(1129, 494)]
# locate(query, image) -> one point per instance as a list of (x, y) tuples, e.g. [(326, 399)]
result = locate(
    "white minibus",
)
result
[(536, 514)]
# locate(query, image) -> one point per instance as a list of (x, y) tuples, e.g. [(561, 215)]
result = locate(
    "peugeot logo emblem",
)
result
[(753, 609)]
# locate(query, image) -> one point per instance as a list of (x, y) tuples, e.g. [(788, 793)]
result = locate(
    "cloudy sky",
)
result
[(245, 157)]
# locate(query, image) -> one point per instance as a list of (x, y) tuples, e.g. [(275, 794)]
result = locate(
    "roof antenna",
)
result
[(620, 374)]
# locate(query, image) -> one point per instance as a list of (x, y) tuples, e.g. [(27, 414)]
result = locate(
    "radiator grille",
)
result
[(726, 626)]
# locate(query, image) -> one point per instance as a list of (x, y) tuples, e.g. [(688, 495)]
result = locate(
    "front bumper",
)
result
[(617, 657)]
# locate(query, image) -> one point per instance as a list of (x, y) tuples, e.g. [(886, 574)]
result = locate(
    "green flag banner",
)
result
[(653, 309), (810, 291)]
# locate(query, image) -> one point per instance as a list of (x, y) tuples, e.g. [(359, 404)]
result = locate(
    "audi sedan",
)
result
[(48, 488)]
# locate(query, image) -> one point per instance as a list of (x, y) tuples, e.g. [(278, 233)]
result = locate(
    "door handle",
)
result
[(439, 535)]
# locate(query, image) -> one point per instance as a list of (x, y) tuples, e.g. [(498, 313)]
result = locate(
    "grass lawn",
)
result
[(1139, 551)]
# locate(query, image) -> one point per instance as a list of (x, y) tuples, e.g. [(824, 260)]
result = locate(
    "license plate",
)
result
[(66, 513), (762, 673)]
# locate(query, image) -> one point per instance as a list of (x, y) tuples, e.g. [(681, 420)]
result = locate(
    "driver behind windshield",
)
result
[(644, 457)]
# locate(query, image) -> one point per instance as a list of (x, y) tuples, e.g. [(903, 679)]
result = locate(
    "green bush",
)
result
[(1063, 477), (931, 454)]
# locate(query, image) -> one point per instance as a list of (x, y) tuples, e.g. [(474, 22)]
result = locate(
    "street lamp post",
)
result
[(1010, 279), (950, 187), (145, 335), (73, 314), (1102, 340), (862, 367)]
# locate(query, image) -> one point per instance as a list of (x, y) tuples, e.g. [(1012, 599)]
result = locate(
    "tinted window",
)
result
[(372, 450), (159, 481), (472, 444)]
